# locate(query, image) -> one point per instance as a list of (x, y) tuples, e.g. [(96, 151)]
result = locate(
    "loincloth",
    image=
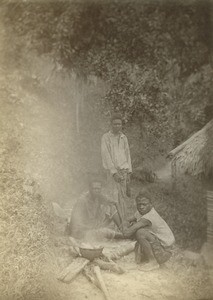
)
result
[(161, 253)]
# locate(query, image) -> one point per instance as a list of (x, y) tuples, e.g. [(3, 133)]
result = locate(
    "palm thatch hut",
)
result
[(194, 156)]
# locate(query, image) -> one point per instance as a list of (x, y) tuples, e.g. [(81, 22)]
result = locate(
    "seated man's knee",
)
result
[(141, 233), (144, 234)]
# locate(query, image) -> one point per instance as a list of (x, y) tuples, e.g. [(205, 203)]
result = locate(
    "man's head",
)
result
[(116, 123), (143, 202), (95, 186)]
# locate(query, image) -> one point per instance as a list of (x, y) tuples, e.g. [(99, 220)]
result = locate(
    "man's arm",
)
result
[(128, 232), (131, 220)]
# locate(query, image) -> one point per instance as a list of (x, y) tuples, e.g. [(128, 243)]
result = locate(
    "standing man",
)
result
[(117, 161)]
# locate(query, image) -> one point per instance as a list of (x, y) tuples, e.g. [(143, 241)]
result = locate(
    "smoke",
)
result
[(60, 129)]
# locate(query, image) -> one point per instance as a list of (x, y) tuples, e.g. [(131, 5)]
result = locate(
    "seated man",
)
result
[(91, 215), (153, 235)]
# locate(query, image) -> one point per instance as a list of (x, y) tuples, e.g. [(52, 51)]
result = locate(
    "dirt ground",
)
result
[(180, 278)]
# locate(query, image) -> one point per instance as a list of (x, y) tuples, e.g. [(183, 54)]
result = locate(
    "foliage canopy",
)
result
[(154, 56)]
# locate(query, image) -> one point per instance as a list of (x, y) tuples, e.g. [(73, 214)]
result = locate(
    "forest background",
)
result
[(66, 66)]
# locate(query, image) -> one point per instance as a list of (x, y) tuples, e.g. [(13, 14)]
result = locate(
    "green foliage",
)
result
[(154, 57)]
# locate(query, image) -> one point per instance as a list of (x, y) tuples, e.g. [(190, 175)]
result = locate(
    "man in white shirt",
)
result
[(117, 161), (153, 235)]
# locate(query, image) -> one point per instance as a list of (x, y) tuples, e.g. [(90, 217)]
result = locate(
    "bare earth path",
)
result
[(180, 278)]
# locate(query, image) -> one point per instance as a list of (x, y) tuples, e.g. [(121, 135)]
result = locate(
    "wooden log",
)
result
[(73, 251), (127, 249), (76, 269), (101, 282), (71, 271), (74, 244), (90, 276), (110, 265)]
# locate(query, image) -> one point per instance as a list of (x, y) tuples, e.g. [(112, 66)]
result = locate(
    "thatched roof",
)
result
[(195, 155)]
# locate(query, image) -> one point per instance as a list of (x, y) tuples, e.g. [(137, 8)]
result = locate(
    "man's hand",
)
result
[(132, 219), (112, 201), (128, 178), (128, 232), (117, 177)]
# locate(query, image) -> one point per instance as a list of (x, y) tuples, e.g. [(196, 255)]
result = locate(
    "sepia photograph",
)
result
[(106, 150)]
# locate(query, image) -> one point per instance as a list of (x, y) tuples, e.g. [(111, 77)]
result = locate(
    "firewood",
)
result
[(111, 266), (71, 271), (90, 276), (75, 244), (73, 252), (127, 249), (101, 282)]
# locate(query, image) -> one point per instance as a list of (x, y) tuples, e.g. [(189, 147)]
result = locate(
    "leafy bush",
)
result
[(156, 77), (25, 236)]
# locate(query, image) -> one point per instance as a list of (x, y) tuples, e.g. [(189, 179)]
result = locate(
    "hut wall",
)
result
[(210, 217)]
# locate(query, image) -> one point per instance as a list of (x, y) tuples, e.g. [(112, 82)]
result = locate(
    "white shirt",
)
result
[(115, 152), (159, 227)]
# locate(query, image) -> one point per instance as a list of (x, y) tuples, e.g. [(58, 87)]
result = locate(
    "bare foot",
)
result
[(151, 266)]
